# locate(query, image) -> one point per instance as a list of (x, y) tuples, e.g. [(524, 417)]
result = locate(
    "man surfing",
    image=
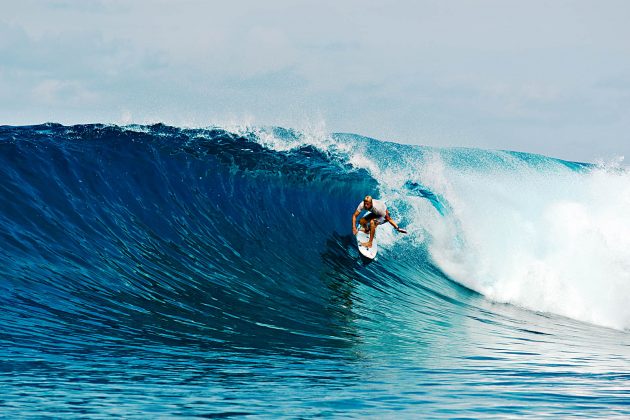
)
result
[(378, 215)]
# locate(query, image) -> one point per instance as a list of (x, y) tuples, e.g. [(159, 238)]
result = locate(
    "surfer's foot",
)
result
[(366, 244)]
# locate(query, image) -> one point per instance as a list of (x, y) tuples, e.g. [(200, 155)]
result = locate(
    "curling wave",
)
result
[(190, 242)]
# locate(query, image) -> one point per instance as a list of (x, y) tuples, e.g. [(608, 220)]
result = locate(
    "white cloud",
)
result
[(62, 92)]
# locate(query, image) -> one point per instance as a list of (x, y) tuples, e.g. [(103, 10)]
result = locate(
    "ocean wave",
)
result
[(190, 244)]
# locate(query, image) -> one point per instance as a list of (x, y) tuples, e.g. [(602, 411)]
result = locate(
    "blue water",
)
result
[(153, 271)]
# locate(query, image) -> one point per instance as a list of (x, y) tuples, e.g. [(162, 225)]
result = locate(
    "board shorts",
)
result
[(378, 219)]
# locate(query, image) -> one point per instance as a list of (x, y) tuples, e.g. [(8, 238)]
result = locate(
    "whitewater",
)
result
[(212, 272)]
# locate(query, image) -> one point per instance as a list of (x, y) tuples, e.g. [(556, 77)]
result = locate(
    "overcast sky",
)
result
[(550, 77)]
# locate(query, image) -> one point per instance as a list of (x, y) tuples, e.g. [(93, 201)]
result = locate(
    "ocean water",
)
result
[(161, 272)]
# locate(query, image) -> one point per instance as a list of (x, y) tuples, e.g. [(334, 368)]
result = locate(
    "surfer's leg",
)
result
[(373, 224), (364, 224)]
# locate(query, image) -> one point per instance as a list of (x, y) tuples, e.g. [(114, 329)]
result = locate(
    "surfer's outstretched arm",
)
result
[(393, 223)]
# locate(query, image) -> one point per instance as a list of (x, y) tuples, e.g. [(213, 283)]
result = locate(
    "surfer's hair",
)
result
[(368, 198)]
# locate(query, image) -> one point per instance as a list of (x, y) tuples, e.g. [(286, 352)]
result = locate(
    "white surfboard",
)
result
[(365, 251)]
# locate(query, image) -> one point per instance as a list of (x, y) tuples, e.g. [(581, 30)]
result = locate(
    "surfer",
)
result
[(378, 215)]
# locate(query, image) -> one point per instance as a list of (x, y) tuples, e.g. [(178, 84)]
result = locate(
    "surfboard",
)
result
[(366, 252)]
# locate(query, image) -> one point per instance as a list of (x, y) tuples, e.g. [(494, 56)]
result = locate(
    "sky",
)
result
[(548, 77)]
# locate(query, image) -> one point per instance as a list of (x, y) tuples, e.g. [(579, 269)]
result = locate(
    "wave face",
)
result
[(213, 273)]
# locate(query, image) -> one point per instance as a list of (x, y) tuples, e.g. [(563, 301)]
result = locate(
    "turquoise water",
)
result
[(164, 272)]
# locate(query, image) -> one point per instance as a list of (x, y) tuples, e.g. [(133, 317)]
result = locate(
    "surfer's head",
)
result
[(367, 202)]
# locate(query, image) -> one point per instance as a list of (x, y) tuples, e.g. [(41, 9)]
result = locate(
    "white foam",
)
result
[(551, 239)]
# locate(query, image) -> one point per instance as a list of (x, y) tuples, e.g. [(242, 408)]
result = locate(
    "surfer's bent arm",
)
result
[(354, 221)]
